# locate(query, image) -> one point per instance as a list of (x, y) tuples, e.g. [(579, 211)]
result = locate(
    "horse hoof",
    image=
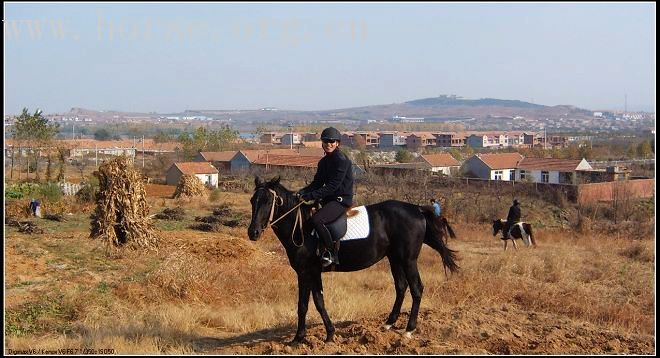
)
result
[(387, 327), (296, 341), (407, 335)]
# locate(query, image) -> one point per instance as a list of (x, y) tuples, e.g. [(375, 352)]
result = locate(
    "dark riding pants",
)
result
[(506, 228), (328, 213)]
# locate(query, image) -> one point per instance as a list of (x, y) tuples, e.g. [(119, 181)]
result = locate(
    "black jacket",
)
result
[(514, 214), (333, 179)]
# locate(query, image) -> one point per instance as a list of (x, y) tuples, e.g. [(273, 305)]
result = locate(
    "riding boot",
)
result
[(336, 252), (324, 235)]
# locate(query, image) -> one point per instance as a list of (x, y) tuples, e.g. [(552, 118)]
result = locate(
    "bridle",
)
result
[(298, 223)]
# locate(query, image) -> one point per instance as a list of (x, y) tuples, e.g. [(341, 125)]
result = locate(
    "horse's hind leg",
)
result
[(401, 285), (514, 244), (416, 290)]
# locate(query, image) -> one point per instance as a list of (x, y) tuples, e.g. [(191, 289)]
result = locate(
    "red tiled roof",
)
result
[(224, 156), (254, 154), (413, 165), (149, 144), (440, 160), (561, 165), (423, 135), (312, 145), (501, 160), (196, 168), (288, 160)]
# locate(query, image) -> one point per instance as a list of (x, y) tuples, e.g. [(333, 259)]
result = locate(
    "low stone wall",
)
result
[(609, 191)]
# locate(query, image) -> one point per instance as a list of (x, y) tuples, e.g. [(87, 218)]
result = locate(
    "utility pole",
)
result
[(291, 131), (142, 152), (96, 151), (74, 131)]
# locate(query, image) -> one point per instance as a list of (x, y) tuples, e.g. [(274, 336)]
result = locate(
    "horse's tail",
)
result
[(449, 230), (531, 234), (433, 238)]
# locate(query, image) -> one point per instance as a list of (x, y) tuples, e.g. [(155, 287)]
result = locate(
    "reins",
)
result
[(297, 223)]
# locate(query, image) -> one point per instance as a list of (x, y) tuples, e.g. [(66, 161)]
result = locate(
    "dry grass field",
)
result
[(219, 293)]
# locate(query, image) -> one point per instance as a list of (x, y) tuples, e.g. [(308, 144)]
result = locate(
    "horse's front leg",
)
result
[(505, 241), (317, 295), (304, 288)]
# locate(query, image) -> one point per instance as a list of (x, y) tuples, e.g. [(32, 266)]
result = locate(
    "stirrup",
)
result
[(327, 258)]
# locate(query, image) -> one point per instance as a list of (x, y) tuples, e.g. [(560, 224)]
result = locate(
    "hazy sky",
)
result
[(168, 57)]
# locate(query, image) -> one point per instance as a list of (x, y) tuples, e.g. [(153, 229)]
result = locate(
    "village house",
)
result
[(206, 172), (549, 170), (442, 163), (498, 166), (418, 140), (220, 160)]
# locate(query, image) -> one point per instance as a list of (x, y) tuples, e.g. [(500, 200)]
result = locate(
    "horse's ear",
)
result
[(275, 181), (258, 181)]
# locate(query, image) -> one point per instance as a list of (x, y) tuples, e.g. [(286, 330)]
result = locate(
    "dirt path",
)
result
[(470, 330)]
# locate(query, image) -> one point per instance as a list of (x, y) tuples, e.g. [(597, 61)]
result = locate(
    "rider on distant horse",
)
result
[(512, 218), (333, 185)]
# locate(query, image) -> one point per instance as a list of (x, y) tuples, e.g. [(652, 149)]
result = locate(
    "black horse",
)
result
[(397, 230), (527, 236)]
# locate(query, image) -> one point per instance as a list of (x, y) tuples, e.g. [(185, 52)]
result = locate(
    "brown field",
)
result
[(219, 293)]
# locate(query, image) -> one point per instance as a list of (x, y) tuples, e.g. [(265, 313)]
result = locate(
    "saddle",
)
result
[(338, 228)]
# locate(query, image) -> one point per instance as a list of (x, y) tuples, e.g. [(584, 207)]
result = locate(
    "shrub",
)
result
[(24, 189), (215, 195), (87, 194), (51, 191)]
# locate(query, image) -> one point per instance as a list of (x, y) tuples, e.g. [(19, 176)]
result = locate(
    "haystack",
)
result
[(121, 214), (189, 186)]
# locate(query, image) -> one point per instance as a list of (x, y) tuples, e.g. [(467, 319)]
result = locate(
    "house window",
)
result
[(523, 175), (208, 180), (545, 177), (498, 175)]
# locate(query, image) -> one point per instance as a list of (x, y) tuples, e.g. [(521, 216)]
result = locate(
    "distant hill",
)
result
[(443, 107), (458, 101)]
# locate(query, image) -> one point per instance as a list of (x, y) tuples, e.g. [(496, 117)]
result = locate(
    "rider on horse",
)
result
[(333, 186), (512, 218)]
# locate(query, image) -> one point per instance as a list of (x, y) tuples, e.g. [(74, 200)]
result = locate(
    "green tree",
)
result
[(359, 143), (573, 152), (644, 149), (632, 151), (261, 130), (221, 139), (35, 132), (162, 137), (403, 156), (586, 152), (102, 134), (187, 145)]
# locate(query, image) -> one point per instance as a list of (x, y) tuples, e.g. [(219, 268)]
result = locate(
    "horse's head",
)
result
[(497, 226), (263, 205)]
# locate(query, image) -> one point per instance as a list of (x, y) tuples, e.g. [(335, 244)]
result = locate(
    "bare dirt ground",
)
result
[(568, 296), (458, 330)]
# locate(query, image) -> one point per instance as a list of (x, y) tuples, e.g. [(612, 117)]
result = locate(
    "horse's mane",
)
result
[(277, 186), (274, 184)]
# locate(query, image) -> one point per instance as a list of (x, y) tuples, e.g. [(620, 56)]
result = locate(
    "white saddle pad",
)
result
[(357, 225)]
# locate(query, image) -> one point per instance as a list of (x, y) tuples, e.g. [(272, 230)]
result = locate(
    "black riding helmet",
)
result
[(330, 134)]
